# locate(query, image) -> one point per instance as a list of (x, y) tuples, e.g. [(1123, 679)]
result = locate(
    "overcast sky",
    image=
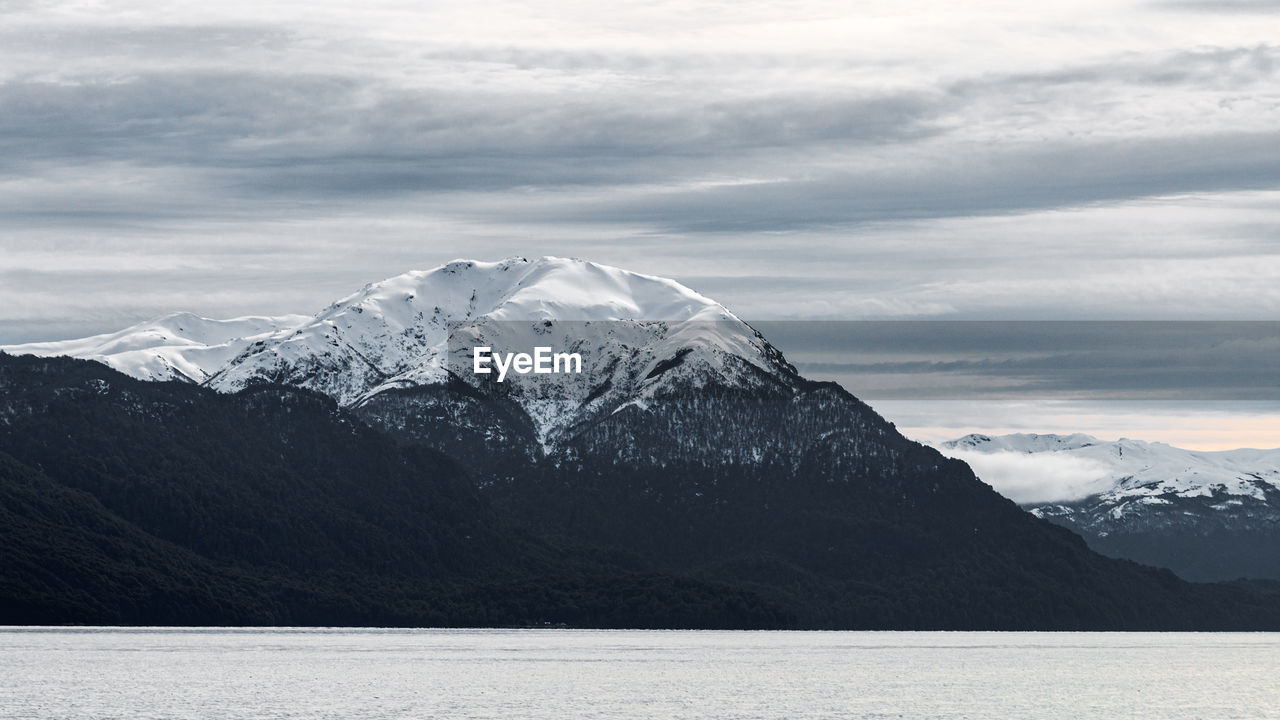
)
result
[(1205, 385), (1079, 160)]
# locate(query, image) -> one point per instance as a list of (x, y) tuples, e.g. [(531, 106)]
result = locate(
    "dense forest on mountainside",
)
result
[(136, 502)]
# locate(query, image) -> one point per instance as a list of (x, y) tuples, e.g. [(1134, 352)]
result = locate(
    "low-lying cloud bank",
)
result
[(1036, 478)]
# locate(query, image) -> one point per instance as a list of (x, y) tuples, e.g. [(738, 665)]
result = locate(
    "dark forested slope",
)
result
[(133, 502)]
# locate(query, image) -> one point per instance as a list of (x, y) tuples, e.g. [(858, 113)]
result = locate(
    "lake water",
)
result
[(332, 673)]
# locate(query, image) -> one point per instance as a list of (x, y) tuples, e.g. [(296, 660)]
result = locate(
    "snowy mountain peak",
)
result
[(638, 336), (419, 329), (550, 288), (1206, 515), (1033, 468), (176, 346), (1023, 442)]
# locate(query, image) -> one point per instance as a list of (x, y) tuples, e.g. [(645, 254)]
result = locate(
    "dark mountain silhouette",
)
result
[(787, 505)]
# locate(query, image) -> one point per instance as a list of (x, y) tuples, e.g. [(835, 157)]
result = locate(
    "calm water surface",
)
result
[(288, 673)]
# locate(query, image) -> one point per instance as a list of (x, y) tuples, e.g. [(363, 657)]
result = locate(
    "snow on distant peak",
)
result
[(1036, 468), (1022, 442), (177, 346)]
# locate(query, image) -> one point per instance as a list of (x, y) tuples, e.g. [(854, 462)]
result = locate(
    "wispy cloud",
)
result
[(879, 161)]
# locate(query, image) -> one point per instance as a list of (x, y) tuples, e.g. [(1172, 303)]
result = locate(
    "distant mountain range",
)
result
[(177, 346), (351, 469), (1205, 515)]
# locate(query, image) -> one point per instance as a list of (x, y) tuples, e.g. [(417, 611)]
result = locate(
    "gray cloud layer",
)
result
[(845, 156), (1187, 362), (928, 164)]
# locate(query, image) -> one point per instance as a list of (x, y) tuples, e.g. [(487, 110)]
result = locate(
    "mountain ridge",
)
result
[(691, 454), (1208, 515), (174, 346), (197, 481)]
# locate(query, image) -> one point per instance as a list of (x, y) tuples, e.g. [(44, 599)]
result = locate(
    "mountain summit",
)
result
[(637, 334), (420, 328)]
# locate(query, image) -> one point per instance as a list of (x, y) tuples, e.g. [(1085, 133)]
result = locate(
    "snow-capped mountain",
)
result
[(637, 335), (1130, 472), (1208, 515), (177, 346), (687, 446)]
